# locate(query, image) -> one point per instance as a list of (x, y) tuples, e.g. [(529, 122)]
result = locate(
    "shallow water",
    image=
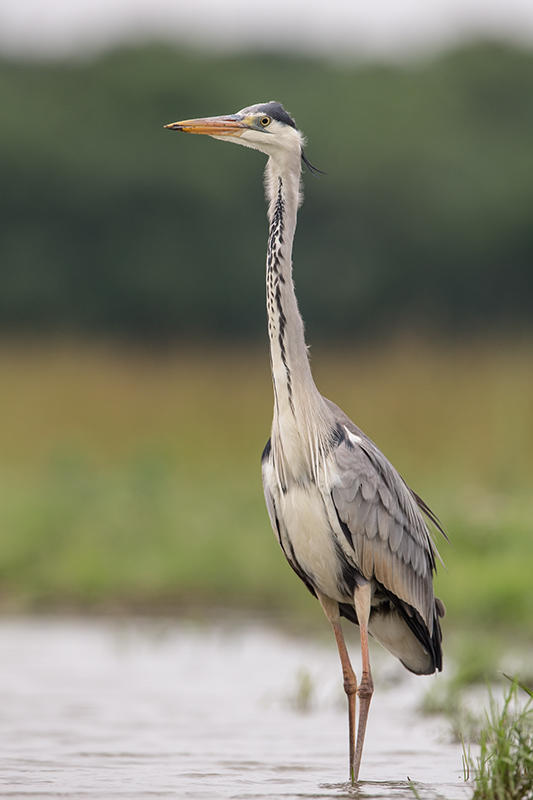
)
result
[(136, 709)]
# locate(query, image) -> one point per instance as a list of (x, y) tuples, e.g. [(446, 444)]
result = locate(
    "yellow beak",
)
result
[(212, 126)]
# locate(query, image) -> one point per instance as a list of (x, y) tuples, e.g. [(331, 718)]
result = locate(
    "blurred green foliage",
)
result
[(111, 224), (132, 481)]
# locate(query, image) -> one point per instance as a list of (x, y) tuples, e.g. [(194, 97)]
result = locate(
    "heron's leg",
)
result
[(331, 610), (362, 597)]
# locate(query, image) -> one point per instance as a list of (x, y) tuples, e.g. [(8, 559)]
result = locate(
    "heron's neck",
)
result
[(300, 416)]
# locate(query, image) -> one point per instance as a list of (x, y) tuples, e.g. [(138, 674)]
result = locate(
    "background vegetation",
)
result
[(129, 474), (132, 481), (112, 224)]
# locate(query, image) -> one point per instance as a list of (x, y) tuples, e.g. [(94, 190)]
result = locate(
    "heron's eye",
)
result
[(264, 121)]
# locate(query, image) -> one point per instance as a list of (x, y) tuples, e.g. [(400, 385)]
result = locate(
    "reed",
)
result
[(504, 768)]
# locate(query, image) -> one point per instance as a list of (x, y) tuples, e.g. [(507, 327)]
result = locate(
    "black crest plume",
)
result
[(312, 169)]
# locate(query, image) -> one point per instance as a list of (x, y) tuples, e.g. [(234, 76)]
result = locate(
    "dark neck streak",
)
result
[(277, 320), (301, 424)]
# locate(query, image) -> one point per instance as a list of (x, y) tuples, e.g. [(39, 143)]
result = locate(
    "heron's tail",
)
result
[(400, 629)]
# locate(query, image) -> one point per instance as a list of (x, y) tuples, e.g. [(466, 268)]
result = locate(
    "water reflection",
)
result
[(93, 708)]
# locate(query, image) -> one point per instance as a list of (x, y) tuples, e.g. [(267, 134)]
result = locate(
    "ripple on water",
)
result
[(93, 709)]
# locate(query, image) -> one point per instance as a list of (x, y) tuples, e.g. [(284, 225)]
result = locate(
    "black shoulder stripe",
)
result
[(345, 529), (337, 437), (266, 452)]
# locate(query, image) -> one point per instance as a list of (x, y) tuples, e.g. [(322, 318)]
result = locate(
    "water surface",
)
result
[(137, 709)]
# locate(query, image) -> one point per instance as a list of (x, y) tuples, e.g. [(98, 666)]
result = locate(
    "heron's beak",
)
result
[(232, 125)]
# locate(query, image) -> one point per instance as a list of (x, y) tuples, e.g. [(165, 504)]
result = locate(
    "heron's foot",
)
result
[(351, 691), (350, 687), (364, 693)]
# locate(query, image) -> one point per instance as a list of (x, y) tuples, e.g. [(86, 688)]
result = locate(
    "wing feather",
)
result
[(391, 540), (361, 509), (372, 523)]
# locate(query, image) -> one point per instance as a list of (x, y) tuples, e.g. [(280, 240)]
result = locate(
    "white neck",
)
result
[(301, 418)]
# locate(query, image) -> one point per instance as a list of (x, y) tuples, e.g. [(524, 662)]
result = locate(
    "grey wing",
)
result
[(380, 518)]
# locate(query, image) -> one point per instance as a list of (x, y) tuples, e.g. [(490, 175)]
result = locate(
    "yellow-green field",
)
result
[(131, 479)]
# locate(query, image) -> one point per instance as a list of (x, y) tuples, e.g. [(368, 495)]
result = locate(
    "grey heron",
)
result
[(347, 523)]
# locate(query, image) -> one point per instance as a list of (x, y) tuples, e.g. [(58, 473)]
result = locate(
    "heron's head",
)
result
[(265, 126)]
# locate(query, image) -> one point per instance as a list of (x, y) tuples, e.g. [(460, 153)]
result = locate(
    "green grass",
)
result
[(131, 479), (504, 768)]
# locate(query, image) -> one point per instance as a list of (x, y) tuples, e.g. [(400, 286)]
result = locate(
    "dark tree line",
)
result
[(110, 224)]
